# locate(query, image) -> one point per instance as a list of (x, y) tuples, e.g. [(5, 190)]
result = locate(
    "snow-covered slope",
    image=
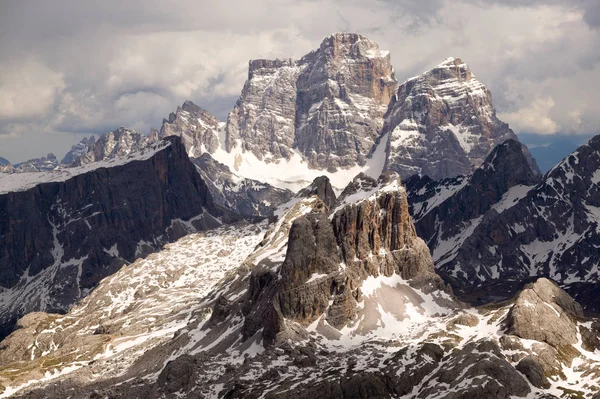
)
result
[(141, 306), (295, 173), (244, 196)]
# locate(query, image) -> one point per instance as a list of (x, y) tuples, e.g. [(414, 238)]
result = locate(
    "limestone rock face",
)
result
[(78, 150), (442, 124), (321, 187), (312, 250), (328, 105), (381, 226), (198, 129), (544, 312)]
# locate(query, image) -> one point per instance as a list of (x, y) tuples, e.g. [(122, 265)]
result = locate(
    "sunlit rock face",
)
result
[(443, 124)]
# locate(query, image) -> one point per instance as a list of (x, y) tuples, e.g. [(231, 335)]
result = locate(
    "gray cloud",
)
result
[(72, 68)]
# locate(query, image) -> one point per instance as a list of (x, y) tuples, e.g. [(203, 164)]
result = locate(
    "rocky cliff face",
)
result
[(328, 260), (59, 239), (78, 150), (118, 143), (442, 124), (328, 105), (198, 129), (42, 164), (502, 226)]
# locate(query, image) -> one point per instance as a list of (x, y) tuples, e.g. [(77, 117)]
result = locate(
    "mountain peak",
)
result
[(328, 106), (442, 124), (355, 45), (510, 158)]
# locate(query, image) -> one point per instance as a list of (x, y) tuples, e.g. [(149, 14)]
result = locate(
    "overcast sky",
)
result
[(75, 68)]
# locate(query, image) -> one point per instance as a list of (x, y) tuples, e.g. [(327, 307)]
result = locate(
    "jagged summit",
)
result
[(442, 123), (198, 129), (325, 109), (354, 44)]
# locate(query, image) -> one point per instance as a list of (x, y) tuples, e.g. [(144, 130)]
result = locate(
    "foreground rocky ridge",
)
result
[(437, 348), (61, 238), (130, 312)]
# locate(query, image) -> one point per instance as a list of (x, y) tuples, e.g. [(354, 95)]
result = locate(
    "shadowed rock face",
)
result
[(472, 196), (60, 239), (442, 124), (329, 105), (502, 223)]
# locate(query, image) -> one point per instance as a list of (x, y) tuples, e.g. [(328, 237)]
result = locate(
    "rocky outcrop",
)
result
[(266, 312), (115, 144), (78, 150), (442, 124), (544, 312), (60, 239), (504, 227), (42, 164), (327, 261), (5, 166), (321, 187), (357, 188), (328, 105), (244, 196), (198, 129)]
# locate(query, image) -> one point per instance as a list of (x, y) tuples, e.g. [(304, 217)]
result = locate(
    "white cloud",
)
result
[(28, 89), (534, 118)]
